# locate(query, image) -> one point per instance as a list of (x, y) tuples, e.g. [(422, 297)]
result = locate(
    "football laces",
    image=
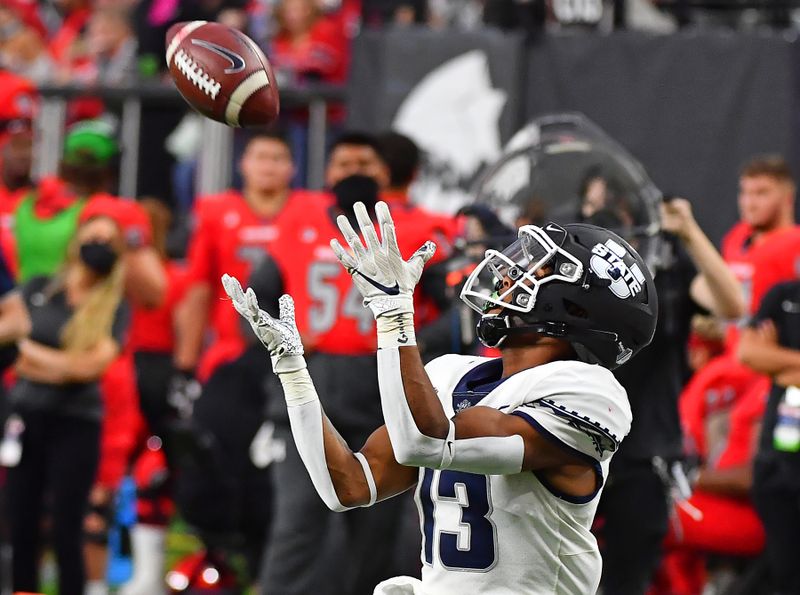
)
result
[(195, 74)]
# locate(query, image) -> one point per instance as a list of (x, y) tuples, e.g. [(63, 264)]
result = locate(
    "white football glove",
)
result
[(279, 336), (380, 274)]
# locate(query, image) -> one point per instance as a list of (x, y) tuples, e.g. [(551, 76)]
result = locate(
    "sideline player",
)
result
[(508, 454), (234, 231), (339, 338)]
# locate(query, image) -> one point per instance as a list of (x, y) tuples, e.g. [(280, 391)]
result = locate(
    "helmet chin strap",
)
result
[(492, 331)]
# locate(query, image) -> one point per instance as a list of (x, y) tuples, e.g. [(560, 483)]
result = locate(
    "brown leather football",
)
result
[(222, 73)]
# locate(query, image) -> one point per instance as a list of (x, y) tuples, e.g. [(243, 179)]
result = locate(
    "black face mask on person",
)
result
[(98, 256), (352, 189)]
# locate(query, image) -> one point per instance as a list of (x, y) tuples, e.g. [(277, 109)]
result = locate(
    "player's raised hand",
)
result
[(279, 336), (380, 274)]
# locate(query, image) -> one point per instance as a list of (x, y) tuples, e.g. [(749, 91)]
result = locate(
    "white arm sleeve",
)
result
[(487, 456), (305, 419)]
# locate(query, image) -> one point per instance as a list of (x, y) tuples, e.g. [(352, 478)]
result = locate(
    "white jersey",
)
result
[(515, 534)]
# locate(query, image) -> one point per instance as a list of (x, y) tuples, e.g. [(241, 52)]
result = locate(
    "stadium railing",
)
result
[(214, 174)]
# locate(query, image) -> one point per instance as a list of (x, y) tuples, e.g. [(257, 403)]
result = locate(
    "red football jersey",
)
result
[(707, 402), (329, 309), (415, 226), (230, 238)]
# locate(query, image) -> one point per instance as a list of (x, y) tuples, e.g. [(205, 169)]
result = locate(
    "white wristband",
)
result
[(373, 489), (305, 418), (396, 330)]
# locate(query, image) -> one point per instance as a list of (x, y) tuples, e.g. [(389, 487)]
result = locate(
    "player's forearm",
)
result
[(788, 377), (735, 482), (342, 479), (421, 433), (766, 358), (724, 291), (347, 473), (417, 424), (14, 320), (191, 318), (423, 402)]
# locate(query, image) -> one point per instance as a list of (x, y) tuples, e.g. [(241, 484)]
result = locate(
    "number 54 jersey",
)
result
[(515, 534)]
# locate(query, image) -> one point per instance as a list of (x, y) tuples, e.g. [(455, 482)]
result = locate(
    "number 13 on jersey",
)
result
[(455, 508)]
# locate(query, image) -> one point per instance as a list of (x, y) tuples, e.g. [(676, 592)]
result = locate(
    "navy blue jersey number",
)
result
[(474, 546)]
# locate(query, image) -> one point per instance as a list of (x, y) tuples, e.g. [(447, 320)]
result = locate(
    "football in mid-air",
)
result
[(222, 73)]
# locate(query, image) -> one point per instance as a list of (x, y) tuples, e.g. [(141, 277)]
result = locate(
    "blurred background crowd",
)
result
[(137, 411)]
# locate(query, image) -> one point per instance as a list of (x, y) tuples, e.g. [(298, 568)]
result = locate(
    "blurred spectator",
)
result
[(105, 54), (145, 285), (771, 345), (74, 15), (152, 19), (718, 519), (45, 220), (761, 251), (705, 341), (762, 248), (307, 47), (17, 107), (465, 15), (152, 342), (635, 504), (44, 224), (22, 46), (400, 13), (78, 320)]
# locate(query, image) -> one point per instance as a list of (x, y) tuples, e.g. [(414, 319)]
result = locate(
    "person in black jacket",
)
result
[(771, 345), (634, 502), (77, 324)]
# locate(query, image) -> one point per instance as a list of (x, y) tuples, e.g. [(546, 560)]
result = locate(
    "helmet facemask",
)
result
[(512, 279)]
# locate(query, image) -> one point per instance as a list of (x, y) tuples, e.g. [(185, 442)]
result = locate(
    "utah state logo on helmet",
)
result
[(580, 282)]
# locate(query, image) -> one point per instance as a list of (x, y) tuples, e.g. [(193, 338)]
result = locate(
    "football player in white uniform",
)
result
[(508, 455)]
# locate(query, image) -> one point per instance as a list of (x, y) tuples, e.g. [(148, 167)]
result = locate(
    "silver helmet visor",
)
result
[(511, 279)]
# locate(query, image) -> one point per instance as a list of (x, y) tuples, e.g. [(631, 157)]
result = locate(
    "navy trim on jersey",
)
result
[(477, 383), (573, 451)]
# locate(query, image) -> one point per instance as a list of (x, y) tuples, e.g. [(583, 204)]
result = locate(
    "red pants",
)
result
[(706, 524)]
